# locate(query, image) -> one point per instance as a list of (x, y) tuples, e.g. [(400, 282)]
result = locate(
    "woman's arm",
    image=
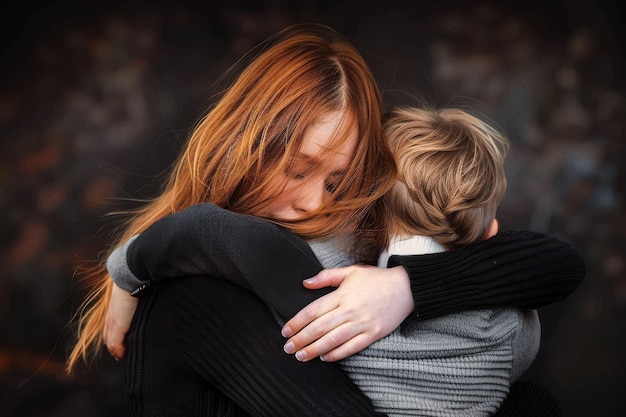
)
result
[(199, 345), (512, 269), (517, 269), (221, 334), (207, 240)]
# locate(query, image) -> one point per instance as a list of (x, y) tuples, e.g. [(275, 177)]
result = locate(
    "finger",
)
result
[(316, 330), (117, 351), (352, 346), (310, 313), (327, 343), (116, 348), (105, 333), (327, 278), (115, 343)]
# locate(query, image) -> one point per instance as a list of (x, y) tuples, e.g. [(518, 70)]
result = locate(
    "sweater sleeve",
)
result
[(516, 269), (251, 252), (117, 266)]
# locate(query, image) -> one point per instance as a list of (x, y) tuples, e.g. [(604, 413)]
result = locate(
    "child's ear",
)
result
[(494, 228)]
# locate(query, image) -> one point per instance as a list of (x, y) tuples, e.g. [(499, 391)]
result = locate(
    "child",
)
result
[(451, 180)]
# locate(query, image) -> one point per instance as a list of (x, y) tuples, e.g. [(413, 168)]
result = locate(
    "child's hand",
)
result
[(369, 304), (120, 314)]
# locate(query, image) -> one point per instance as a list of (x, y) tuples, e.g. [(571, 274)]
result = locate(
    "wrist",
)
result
[(403, 285)]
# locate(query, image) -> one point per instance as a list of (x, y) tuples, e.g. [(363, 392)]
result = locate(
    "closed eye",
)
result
[(301, 167), (332, 183)]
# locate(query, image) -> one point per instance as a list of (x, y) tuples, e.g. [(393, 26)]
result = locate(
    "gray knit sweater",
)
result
[(456, 365)]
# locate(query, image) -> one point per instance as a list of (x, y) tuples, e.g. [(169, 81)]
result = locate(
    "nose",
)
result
[(310, 197)]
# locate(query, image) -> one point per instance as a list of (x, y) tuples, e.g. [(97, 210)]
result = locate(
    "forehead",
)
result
[(320, 138)]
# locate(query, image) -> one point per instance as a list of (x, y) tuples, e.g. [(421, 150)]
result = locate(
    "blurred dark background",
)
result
[(96, 99)]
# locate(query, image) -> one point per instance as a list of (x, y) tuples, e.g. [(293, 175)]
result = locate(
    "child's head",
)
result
[(450, 175)]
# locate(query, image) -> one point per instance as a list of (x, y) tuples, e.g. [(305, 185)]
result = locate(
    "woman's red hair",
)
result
[(250, 137)]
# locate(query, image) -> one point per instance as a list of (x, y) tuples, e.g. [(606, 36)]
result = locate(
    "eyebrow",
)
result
[(315, 162)]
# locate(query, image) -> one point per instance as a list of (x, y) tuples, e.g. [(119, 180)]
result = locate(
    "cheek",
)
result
[(282, 201), (275, 207)]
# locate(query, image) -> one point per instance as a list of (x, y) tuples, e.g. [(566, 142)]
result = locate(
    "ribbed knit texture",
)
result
[(191, 344), (506, 270), (203, 347), (454, 365), (458, 364), (512, 269), (235, 350), (332, 253)]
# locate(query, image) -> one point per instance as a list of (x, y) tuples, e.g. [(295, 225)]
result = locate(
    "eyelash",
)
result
[(330, 187), (298, 176)]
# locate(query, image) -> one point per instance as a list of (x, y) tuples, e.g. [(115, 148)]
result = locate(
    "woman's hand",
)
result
[(369, 304), (120, 314)]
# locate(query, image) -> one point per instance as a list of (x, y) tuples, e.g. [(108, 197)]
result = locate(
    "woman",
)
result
[(296, 139)]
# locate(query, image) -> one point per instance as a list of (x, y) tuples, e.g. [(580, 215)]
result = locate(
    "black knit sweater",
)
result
[(512, 269), (204, 347)]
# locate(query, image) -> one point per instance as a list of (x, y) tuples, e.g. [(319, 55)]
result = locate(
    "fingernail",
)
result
[(301, 355), (288, 348), (311, 280), (286, 331), (323, 358)]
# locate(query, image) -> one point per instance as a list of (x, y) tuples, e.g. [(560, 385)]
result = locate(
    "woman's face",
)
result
[(315, 173)]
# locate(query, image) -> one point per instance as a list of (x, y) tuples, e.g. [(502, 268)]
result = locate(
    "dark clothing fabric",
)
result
[(529, 399), (512, 269), (251, 252), (205, 347), (200, 346)]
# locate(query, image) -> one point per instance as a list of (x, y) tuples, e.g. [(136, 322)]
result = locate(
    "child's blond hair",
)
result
[(450, 175)]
